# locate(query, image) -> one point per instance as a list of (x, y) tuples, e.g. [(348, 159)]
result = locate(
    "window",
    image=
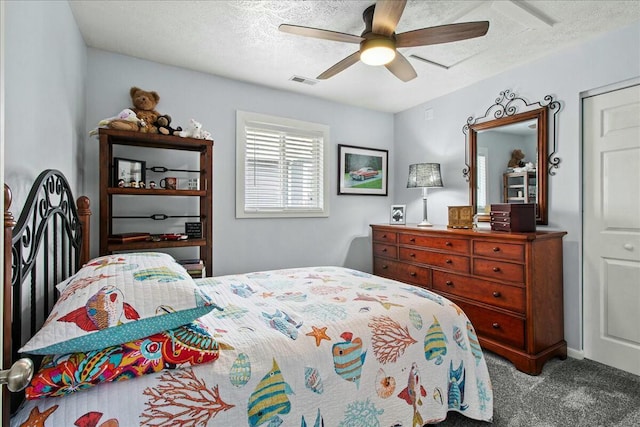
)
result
[(481, 193), (281, 167)]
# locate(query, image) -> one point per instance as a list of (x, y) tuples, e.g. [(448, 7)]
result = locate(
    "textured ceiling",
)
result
[(239, 39)]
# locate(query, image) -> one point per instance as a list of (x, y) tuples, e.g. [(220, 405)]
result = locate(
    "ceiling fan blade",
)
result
[(442, 34), (340, 66), (386, 16), (401, 68), (319, 33)]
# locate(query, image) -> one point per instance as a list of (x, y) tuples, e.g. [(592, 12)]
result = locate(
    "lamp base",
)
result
[(425, 223)]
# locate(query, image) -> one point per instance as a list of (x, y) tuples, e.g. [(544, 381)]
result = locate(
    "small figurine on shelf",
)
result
[(133, 183), (121, 183), (152, 184), (141, 184)]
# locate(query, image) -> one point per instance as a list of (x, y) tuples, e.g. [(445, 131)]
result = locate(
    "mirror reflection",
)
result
[(508, 160)]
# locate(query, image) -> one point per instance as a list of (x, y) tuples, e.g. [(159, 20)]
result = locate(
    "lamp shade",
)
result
[(424, 175)]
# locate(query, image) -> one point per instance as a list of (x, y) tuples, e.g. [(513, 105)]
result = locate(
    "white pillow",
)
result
[(119, 298)]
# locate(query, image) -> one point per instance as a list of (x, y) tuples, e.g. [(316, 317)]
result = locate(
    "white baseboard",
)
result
[(575, 354)]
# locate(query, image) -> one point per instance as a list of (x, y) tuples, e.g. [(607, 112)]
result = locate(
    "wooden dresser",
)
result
[(508, 284)]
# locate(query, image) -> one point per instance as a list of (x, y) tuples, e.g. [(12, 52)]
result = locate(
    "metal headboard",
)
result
[(48, 243)]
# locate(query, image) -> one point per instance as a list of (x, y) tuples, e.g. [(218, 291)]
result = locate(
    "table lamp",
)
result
[(425, 176)]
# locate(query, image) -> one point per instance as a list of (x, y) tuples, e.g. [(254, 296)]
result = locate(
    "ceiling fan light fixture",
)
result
[(377, 51)]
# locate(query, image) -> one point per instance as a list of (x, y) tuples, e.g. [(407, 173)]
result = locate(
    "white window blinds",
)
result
[(481, 192), (283, 167)]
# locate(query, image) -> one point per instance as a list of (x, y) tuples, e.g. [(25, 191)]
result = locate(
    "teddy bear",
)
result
[(516, 159), (144, 105), (163, 123)]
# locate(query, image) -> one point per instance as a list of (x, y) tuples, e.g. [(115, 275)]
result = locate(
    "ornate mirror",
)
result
[(507, 154)]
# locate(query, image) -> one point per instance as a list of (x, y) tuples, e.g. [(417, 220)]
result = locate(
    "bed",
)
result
[(313, 346)]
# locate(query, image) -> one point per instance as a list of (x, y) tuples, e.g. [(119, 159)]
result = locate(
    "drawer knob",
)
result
[(449, 283), (413, 274), (496, 325), (384, 236), (412, 255), (412, 239), (384, 250), (497, 294), (496, 249), (496, 269), (449, 261), (448, 244), (384, 267)]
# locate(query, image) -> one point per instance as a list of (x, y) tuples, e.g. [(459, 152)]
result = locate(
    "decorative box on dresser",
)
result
[(508, 284)]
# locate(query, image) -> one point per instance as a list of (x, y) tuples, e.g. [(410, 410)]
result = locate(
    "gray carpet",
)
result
[(572, 392)]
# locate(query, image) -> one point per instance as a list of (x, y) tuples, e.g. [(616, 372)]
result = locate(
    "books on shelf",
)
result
[(128, 237), (195, 267)]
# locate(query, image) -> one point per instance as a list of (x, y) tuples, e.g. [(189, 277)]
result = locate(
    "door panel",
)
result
[(611, 224)]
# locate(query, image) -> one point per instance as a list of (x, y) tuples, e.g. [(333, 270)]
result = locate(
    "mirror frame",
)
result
[(505, 112)]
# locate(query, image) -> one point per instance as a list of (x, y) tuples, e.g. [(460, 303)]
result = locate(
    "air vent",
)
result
[(304, 80)]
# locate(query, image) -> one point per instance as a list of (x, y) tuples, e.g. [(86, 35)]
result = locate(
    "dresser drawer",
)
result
[(385, 236), (436, 259), (384, 250), (499, 250), (498, 270), (496, 294), (401, 271), (495, 325), (458, 246)]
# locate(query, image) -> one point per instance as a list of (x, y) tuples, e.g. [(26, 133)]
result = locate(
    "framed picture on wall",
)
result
[(127, 172), (398, 215), (362, 170)]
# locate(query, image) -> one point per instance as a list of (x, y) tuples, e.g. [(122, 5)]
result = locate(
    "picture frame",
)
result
[(128, 171), (398, 215), (362, 171)]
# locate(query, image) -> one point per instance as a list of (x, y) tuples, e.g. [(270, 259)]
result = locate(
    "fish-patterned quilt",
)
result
[(319, 346)]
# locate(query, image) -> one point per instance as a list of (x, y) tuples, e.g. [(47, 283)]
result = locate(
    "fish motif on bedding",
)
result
[(106, 261), (476, 350), (91, 419), (160, 274), (456, 387), (313, 380), (380, 300), (435, 343), (242, 289), (425, 294), (282, 322), (416, 319), (240, 373), (413, 393), (318, 423), (80, 284), (103, 309), (288, 361), (269, 399), (458, 337), (348, 358)]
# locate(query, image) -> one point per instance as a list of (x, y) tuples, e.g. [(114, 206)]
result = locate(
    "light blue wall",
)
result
[(242, 245), (602, 61), (45, 66), (56, 90)]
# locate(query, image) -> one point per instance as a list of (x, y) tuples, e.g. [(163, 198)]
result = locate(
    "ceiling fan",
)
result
[(379, 42)]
